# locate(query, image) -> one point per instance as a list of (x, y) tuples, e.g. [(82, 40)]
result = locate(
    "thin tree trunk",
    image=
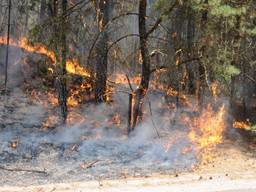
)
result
[(190, 38), (201, 69), (7, 45), (145, 77), (101, 50), (129, 113), (63, 72)]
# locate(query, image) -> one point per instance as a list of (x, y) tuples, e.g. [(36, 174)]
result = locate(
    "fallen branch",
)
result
[(89, 165), (23, 170)]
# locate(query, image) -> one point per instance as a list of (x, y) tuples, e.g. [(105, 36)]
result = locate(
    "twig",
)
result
[(250, 78), (23, 170), (89, 165), (169, 68)]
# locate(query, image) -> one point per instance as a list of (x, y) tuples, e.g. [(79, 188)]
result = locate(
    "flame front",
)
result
[(72, 65), (241, 125), (206, 130)]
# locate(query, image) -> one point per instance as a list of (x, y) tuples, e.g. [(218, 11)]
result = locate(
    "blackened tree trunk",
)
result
[(190, 37), (145, 76), (101, 69), (7, 45), (63, 72)]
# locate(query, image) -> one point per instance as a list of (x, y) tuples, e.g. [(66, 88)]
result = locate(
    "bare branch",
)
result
[(160, 19)]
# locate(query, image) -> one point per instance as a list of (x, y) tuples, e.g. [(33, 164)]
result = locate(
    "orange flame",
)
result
[(72, 66), (206, 131), (241, 125), (116, 119), (214, 89)]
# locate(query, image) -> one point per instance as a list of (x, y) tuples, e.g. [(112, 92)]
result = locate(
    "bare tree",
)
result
[(63, 72), (103, 9), (145, 76)]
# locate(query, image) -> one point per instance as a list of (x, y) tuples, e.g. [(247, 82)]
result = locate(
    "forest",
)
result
[(105, 92)]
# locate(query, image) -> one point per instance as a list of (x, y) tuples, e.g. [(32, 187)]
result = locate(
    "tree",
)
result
[(103, 12), (63, 72), (144, 35), (145, 69)]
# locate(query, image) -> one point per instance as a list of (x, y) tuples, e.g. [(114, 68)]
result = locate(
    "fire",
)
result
[(214, 89), (74, 68), (13, 144), (72, 102), (76, 118), (72, 65), (77, 94), (24, 44), (52, 99), (241, 125), (50, 121), (206, 131), (120, 78), (116, 119)]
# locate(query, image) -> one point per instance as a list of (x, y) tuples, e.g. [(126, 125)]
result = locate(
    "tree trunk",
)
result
[(201, 69), (101, 51), (63, 72), (145, 76), (190, 37), (7, 45)]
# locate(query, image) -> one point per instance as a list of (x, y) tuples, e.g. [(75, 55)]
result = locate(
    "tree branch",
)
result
[(23, 170), (160, 19)]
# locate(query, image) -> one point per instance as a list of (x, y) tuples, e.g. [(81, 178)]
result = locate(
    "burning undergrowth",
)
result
[(172, 136), (167, 141)]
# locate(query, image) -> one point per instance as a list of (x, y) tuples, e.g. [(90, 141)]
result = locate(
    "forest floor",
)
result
[(233, 170), (32, 159)]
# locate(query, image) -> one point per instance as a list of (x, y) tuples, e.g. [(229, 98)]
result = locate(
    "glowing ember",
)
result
[(52, 99), (50, 121), (75, 118), (214, 89), (120, 78), (241, 125), (116, 119), (72, 66), (13, 144)]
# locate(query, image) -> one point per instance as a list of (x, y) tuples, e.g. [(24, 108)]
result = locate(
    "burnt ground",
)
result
[(32, 155)]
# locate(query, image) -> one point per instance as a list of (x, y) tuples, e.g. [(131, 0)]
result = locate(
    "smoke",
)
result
[(160, 143)]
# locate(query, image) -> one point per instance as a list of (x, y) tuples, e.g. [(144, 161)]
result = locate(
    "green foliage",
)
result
[(34, 33), (253, 128), (226, 35), (250, 31), (231, 70), (158, 5), (227, 11)]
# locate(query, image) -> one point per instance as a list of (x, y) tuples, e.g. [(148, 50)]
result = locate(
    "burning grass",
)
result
[(196, 138)]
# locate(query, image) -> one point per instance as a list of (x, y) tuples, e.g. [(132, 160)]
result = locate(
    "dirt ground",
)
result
[(112, 163), (233, 170)]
